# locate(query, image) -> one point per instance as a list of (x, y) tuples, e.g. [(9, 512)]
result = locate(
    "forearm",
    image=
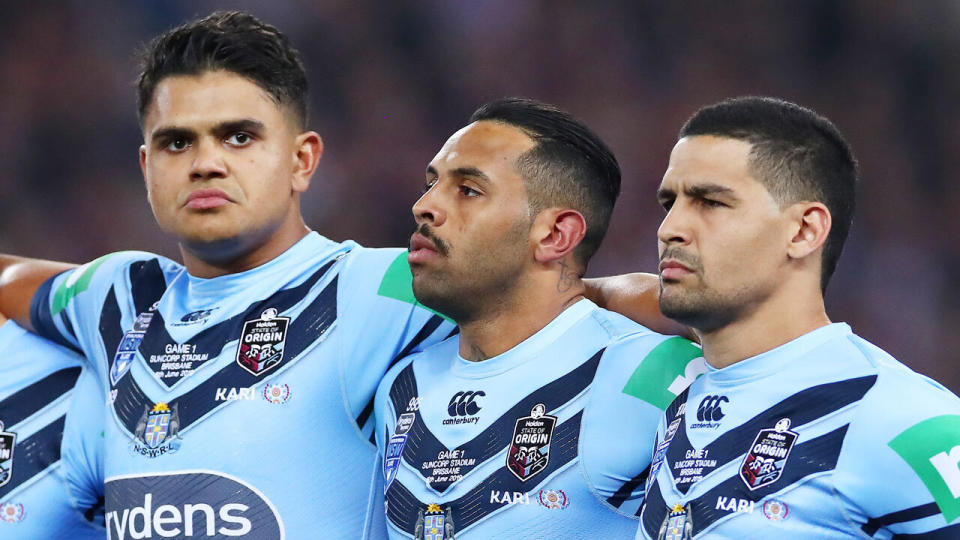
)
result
[(20, 278), (636, 296)]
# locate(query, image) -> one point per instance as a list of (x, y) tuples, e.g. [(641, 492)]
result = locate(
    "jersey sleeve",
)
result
[(66, 308), (903, 454), (83, 447), (381, 322), (636, 381)]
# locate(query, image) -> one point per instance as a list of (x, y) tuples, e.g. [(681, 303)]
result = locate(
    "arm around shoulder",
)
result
[(636, 296), (20, 278)]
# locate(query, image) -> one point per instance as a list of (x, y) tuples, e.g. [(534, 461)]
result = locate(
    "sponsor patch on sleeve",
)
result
[(932, 449), (77, 282), (397, 283), (666, 371)]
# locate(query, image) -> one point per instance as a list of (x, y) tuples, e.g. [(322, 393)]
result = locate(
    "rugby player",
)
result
[(496, 432), (51, 425), (799, 428), (240, 382)]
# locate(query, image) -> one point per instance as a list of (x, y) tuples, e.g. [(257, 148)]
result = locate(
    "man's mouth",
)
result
[(673, 270), (207, 198)]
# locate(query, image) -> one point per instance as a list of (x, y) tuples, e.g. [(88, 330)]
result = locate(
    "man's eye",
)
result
[(666, 205), (240, 139), (468, 191), (710, 203), (428, 184), (178, 144)]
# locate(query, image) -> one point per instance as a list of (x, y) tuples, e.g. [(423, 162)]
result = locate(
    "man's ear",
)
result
[(309, 148), (557, 232), (811, 222)]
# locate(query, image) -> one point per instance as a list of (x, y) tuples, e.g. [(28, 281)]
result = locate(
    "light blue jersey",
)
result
[(51, 444), (824, 437), (240, 406), (525, 444)]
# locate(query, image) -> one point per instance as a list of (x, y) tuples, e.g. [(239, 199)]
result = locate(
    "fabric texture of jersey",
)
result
[(826, 436), (51, 473), (527, 444), (240, 405)]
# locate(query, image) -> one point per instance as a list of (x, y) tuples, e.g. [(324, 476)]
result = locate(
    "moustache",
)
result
[(682, 257), (443, 248)]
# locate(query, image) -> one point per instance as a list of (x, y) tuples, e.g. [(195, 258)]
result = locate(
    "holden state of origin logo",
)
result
[(261, 342), (529, 451), (7, 441)]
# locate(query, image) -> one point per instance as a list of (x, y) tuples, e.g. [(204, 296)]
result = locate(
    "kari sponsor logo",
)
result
[(234, 394), (188, 504), (509, 497)]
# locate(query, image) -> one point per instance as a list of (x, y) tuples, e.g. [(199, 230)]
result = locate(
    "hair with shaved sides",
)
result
[(569, 167), (230, 41), (797, 154)]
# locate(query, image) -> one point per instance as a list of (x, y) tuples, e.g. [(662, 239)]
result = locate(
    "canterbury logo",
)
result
[(464, 403), (709, 410)]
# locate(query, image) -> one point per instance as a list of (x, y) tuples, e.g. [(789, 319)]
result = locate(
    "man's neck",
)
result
[(233, 257), (513, 321), (776, 322)]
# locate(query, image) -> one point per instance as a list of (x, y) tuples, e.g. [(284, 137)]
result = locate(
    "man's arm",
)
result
[(20, 278), (636, 296)]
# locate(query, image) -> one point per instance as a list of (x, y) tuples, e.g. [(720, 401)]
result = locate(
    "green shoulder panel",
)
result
[(666, 372), (76, 283), (397, 283), (932, 449)]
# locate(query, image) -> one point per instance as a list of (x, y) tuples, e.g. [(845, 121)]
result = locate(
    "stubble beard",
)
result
[(482, 285), (703, 309)]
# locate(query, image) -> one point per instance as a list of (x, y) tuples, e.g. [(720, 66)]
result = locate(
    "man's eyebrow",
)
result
[(170, 132), (708, 188), (471, 172), (233, 126), (468, 172), (223, 128), (664, 194)]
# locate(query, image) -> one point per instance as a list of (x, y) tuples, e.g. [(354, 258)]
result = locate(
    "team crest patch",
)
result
[(678, 525), (158, 430), (395, 448), (553, 499), (127, 349), (276, 393), (660, 450), (768, 455), (530, 445), (435, 524), (7, 441), (775, 510), (12, 512), (261, 342)]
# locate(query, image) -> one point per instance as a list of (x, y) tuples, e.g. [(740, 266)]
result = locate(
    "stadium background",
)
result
[(392, 79)]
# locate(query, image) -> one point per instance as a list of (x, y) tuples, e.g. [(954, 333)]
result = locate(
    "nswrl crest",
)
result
[(530, 445), (435, 524), (157, 430), (7, 441), (678, 525)]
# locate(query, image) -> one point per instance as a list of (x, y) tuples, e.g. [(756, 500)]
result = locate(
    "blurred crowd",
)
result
[(392, 79)]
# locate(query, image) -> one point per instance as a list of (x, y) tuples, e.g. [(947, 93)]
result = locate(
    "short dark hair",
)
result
[(569, 166), (229, 41), (796, 153)]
